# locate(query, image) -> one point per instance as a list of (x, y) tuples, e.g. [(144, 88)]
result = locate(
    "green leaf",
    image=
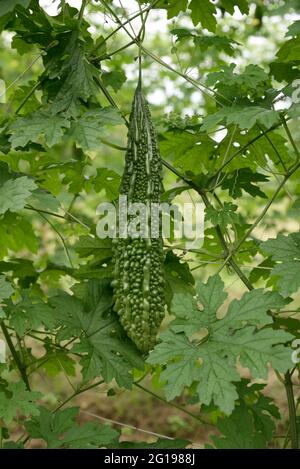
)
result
[(204, 12), (178, 276), (187, 151), (16, 399), (285, 250), (251, 424), (174, 7), (89, 436), (245, 116), (238, 432), (212, 360), (50, 426), (205, 42), (218, 42), (40, 199), (223, 217), (243, 180), (59, 430), (30, 313), (241, 4), (86, 131), (14, 194), (31, 127), (115, 79), (7, 6), (251, 84), (58, 362), (100, 249), (105, 347), (77, 80), (290, 51), (187, 310), (109, 181), (294, 29), (16, 234), (6, 289)]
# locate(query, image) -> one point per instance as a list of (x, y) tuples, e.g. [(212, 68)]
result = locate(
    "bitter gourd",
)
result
[(138, 275)]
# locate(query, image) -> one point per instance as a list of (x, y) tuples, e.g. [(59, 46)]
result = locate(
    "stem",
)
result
[(205, 89), (274, 147), (261, 216), (81, 12), (21, 74), (76, 393), (173, 405), (65, 217), (35, 87), (241, 150), (60, 237), (121, 26), (290, 137), (13, 351), (292, 409)]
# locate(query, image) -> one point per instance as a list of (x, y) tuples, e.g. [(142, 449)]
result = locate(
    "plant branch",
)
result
[(290, 137), (21, 367), (263, 213), (172, 404)]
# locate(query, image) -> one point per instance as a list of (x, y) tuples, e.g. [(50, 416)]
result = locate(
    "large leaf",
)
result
[(212, 360), (245, 116), (106, 349), (30, 128), (87, 130)]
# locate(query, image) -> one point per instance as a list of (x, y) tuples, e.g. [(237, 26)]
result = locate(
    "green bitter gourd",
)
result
[(138, 276)]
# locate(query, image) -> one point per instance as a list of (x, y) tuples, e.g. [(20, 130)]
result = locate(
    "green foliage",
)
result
[(224, 98), (103, 345), (223, 217), (285, 250), (59, 430), (29, 129), (251, 425), (235, 336), (14, 193), (15, 398)]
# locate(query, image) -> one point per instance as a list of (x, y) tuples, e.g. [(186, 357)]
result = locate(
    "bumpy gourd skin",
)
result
[(138, 276)]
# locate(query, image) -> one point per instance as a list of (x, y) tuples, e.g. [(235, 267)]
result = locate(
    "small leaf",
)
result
[(7, 6), (115, 79), (204, 12), (14, 194), (6, 289), (15, 398)]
